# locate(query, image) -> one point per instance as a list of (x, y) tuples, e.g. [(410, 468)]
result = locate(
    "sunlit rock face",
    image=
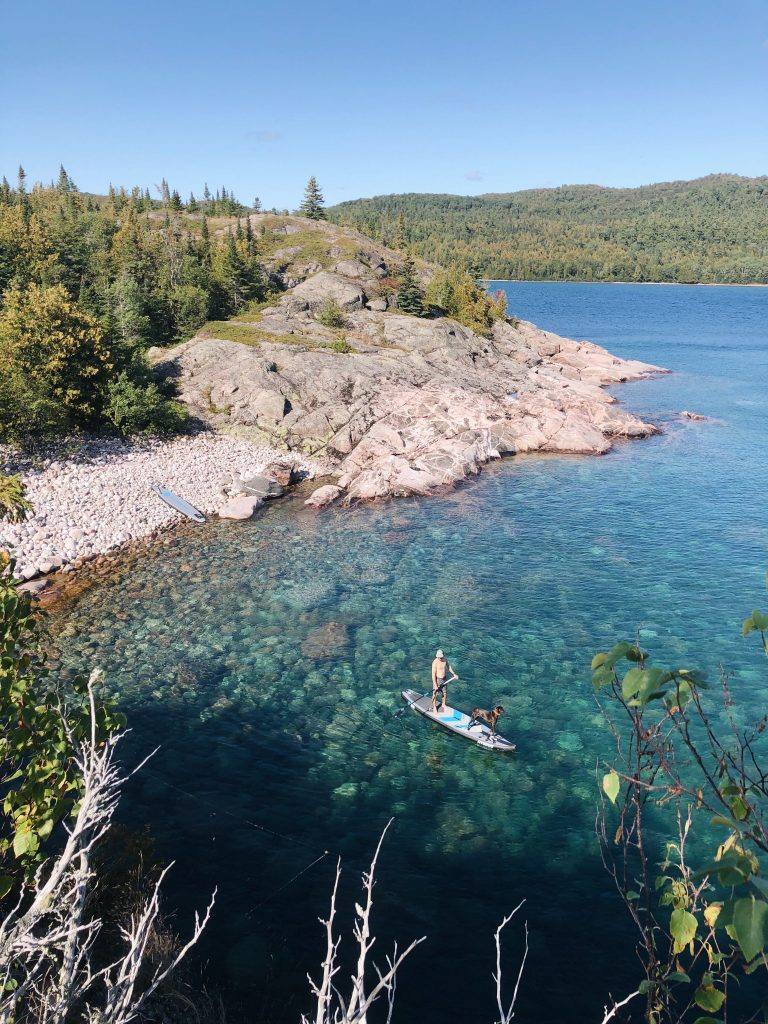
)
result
[(414, 404)]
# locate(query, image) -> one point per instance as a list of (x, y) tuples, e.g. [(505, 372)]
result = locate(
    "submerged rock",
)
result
[(240, 508)]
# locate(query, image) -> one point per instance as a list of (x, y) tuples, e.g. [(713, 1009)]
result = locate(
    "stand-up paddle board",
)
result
[(178, 503), (458, 722)]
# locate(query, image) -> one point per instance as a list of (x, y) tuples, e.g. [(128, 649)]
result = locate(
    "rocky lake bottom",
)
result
[(266, 658)]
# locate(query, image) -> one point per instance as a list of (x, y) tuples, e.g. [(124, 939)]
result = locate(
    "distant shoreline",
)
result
[(665, 284)]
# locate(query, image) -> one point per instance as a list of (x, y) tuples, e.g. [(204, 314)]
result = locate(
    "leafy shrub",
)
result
[(340, 345), (40, 728), (330, 314), (13, 501), (458, 295), (189, 309), (140, 407), (54, 362)]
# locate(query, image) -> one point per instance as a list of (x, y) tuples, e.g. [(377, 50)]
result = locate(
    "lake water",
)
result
[(267, 659)]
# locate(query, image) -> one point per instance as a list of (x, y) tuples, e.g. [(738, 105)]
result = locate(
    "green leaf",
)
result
[(709, 998), (6, 884), (646, 986), (750, 925), (611, 785), (740, 808), (678, 978), (631, 683), (707, 1020), (682, 927)]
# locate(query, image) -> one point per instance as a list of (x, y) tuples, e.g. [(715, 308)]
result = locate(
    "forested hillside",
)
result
[(713, 229)]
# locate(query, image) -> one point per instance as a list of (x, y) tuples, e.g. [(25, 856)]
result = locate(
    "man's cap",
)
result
[(439, 654)]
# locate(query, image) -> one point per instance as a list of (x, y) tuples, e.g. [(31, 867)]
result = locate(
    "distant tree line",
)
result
[(714, 229)]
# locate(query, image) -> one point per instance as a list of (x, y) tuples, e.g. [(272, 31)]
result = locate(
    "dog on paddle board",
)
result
[(490, 717)]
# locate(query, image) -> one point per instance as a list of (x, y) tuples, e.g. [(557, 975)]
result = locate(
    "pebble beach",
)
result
[(91, 496)]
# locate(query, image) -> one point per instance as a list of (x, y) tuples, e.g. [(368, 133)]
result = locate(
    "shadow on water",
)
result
[(267, 660)]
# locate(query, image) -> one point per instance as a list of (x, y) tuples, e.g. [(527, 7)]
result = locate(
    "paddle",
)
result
[(410, 703)]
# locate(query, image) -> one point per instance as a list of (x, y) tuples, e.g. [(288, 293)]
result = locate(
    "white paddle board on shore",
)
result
[(458, 722), (178, 503)]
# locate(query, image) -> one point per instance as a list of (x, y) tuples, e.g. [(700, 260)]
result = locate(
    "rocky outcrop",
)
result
[(415, 404)]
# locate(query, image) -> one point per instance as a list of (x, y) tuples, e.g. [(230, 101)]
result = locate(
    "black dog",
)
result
[(491, 717)]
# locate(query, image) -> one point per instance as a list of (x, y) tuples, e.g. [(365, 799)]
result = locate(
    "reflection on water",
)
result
[(267, 659)]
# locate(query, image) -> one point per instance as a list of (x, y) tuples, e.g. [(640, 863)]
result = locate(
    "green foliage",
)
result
[(330, 314), (706, 767), (54, 362), (455, 293), (13, 500), (410, 298), (41, 722), (712, 229), (136, 406), (340, 345), (88, 283), (313, 204)]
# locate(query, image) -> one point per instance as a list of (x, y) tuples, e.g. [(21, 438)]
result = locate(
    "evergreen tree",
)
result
[(175, 201), (257, 205), (165, 192), (22, 179), (313, 205), (147, 198), (64, 183), (193, 206), (409, 294), (6, 197), (206, 193)]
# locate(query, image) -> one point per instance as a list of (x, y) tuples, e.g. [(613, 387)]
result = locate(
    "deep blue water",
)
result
[(267, 658)]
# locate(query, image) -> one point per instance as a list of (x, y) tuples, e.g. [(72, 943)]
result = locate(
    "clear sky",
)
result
[(371, 98)]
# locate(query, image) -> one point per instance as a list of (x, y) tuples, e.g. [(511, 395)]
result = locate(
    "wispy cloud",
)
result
[(473, 176), (264, 135)]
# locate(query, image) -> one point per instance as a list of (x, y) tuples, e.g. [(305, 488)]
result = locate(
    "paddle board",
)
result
[(178, 503), (458, 722)]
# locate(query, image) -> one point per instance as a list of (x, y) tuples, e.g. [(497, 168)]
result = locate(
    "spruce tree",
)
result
[(22, 178), (256, 205), (206, 193), (313, 205), (175, 200), (5, 193), (409, 294), (192, 205)]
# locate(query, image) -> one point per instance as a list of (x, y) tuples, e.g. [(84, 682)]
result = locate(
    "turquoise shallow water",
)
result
[(267, 658)]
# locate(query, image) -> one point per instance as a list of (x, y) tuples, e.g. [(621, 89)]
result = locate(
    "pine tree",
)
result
[(63, 183), (409, 294), (147, 197), (206, 193), (175, 201), (313, 203), (256, 205), (193, 206), (22, 178), (6, 197)]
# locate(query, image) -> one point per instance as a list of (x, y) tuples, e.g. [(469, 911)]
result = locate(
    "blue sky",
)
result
[(383, 97)]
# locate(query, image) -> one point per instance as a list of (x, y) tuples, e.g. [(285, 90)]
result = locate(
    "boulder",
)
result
[(240, 508), (378, 305), (268, 406), (323, 496), (261, 486), (325, 285)]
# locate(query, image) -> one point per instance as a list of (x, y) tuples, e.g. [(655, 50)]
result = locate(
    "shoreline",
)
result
[(92, 496), (655, 284)]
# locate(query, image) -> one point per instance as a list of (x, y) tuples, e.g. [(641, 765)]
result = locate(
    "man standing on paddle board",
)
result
[(439, 682)]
